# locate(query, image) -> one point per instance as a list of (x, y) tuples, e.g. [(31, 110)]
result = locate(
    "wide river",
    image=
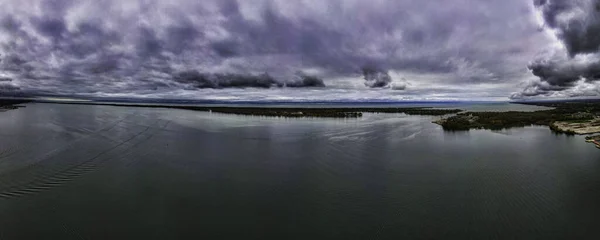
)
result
[(103, 172)]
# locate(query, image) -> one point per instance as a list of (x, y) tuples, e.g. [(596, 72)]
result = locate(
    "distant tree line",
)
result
[(582, 111)]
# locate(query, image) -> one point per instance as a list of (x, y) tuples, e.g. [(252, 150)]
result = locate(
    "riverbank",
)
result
[(577, 127), (61, 161), (593, 139), (289, 112), (567, 117)]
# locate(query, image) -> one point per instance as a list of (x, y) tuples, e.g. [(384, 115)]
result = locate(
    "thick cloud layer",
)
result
[(196, 79), (255, 49), (576, 24), (6, 85), (376, 78)]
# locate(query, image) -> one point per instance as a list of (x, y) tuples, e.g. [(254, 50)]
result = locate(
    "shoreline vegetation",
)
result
[(9, 104), (291, 112), (285, 112), (566, 117), (569, 118)]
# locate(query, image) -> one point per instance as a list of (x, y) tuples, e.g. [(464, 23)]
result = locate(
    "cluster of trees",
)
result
[(410, 111), (321, 112), (502, 120), (291, 112), (556, 129), (280, 112), (10, 103)]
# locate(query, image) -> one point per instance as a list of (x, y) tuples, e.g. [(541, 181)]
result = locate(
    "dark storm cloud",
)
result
[(6, 85), (149, 46), (576, 24), (207, 80), (565, 74), (303, 80), (50, 27), (376, 77), (201, 80)]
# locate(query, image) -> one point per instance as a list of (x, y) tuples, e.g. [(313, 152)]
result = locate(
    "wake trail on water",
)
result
[(53, 170)]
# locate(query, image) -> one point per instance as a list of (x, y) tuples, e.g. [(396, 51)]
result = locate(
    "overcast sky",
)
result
[(302, 49)]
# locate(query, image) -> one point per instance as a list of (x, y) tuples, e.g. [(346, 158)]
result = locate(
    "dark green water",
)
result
[(100, 172)]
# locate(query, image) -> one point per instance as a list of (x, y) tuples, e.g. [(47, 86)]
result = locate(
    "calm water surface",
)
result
[(101, 172)]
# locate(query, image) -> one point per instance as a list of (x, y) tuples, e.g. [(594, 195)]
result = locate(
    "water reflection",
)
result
[(99, 171)]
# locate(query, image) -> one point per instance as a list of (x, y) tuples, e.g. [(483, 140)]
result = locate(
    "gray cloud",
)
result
[(147, 47), (400, 85), (208, 80), (303, 80), (564, 73), (6, 85), (576, 24), (199, 80), (376, 77)]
